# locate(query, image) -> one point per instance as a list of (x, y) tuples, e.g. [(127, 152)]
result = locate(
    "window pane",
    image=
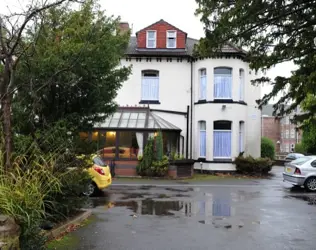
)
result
[(222, 125), (223, 71), (107, 144), (117, 115), (171, 34), (202, 125), (222, 144), (151, 34), (203, 143), (171, 42), (151, 43), (222, 86), (150, 88), (203, 87), (128, 145)]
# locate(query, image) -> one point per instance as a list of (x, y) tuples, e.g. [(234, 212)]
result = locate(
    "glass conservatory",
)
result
[(122, 136)]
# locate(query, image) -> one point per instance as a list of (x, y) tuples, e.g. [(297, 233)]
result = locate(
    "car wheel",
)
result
[(310, 184), (91, 189)]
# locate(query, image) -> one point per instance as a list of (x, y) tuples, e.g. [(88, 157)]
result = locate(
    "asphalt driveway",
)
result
[(225, 214)]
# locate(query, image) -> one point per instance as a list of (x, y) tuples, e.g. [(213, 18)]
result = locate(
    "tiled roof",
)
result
[(132, 49), (161, 21)]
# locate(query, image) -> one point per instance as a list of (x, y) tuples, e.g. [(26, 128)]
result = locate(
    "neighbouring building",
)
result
[(281, 130), (205, 107)]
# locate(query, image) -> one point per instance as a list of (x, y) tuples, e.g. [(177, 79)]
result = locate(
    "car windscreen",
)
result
[(301, 161), (98, 161)]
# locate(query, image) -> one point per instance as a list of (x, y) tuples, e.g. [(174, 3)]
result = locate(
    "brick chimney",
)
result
[(124, 27)]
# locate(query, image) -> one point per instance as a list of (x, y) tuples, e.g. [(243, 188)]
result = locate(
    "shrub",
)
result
[(299, 148), (252, 166), (23, 196), (147, 159), (159, 146), (149, 164), (267, 148)]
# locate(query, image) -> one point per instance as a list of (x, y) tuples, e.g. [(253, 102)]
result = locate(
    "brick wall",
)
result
[(161, 36), (271, 129)]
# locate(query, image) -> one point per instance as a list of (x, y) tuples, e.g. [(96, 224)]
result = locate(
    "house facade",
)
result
[(281, 130), (205, 107)]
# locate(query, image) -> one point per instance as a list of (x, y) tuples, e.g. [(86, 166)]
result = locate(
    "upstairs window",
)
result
[(171, 39), (150, 85), (151, 39), (241, 84), (202, 95), (222, 83)]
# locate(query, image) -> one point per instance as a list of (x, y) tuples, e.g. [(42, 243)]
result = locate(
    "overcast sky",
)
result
[(141, 13)]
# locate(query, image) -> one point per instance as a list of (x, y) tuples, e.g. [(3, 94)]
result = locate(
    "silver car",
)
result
[(301, 172)]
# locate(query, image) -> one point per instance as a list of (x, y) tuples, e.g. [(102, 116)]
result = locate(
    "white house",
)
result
[(204, 106)]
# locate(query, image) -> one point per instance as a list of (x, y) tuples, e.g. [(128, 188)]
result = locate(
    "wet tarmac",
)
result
[(219, 215)]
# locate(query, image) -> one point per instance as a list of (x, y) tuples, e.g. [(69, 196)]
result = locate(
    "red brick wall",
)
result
[(271, 129), (161, 36)]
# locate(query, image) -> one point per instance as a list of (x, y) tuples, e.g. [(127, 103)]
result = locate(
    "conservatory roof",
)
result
[(135, 118)]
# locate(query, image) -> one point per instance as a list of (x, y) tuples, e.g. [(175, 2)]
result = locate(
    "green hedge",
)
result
[(267, 148), (299, 148), (252, 166)]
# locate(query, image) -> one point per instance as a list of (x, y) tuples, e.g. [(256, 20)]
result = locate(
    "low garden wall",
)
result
[(181, 169), (176, 169)]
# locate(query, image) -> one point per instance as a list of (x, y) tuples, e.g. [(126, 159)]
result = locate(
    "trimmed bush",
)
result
[(299, 148), (153, 163), (251, 166), (267, 148)]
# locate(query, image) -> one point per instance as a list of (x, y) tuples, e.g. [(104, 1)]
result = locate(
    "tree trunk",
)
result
[(7, 128)]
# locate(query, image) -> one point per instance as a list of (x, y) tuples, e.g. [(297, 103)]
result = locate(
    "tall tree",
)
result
[(12, 48), (82, 48), (272, 31)]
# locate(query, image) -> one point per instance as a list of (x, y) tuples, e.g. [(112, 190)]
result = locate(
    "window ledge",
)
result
[(149, 102), (214, 161), (221, 101)]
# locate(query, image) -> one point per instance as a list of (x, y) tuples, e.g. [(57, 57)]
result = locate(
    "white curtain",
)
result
[(140, 142), (150, 88), (222, 144), (222, 86), (203, 87)]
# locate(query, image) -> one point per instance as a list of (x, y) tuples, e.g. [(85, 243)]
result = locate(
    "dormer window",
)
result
[(151, 39), (171, 39)]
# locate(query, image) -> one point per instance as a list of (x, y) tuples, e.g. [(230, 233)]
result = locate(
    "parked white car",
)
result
[(301, 172)]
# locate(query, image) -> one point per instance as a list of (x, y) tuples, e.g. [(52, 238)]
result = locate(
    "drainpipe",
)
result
[(191, 115), (187, 134)]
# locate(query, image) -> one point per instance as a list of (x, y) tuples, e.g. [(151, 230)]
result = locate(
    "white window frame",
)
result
[(202, 77), (151, 39), (168, 35), (151, 98), (200, 145)]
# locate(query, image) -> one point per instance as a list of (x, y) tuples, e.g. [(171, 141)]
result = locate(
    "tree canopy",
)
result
[(272, 32), (73, 71)]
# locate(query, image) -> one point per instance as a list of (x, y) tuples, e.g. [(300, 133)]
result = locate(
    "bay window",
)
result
[(222, 83), (222, 140)]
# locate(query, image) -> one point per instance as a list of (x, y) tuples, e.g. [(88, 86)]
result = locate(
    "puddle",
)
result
[(311, 200), (179, 190), (134, 195)]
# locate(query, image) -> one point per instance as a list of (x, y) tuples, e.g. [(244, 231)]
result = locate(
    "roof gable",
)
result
[(160, 22)]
